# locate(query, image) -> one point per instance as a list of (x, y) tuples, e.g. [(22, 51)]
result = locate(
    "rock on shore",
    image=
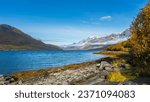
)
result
[(8, 80), (92, 74)]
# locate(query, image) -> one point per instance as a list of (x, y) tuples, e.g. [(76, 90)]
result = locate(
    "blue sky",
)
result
[(66, 21)]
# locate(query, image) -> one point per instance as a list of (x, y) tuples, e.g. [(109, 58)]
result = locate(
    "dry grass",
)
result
[(114, 54), (121, 76), (119, 58), (37, 73), (29, 74), (116, 77)]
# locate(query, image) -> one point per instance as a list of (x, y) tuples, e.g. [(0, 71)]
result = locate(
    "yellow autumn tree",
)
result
[(140, 41)]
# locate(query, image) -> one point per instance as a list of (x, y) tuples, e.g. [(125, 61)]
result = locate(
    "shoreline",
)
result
[(74, 74), (86, 73), (24, 76), (47, 67)]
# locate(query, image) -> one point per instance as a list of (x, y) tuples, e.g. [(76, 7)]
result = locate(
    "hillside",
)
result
[(13, 38)]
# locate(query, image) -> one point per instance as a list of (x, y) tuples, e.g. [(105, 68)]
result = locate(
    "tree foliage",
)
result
[(140, 41), (123, 46)]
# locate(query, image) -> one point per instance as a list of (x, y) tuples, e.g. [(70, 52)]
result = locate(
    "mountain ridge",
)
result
[(99, 42), (13, 38)]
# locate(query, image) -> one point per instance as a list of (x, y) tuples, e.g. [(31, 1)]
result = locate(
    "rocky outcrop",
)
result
[(104, 68), (66, 77), (8, 80), (89, 75)]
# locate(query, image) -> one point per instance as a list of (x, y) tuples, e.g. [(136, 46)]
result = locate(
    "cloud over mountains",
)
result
[(106, 18)]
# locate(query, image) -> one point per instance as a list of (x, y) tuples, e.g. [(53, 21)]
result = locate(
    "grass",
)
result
[(123, 46), (116, 77), (113, 54), (119, 59), (121, 76), (29, 74)]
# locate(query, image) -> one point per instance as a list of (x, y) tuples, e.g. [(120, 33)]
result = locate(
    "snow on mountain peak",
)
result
[(93, 42), (92, 37)]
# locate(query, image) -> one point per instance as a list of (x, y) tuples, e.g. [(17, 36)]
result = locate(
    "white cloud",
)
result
[(106, 18)]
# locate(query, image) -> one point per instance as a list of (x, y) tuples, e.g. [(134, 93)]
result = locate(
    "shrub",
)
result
[(116, 77), (122, 76), (124, 46), (140, 41)]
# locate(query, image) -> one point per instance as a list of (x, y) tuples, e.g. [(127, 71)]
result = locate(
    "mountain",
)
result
[(94, 42), (13, 38)]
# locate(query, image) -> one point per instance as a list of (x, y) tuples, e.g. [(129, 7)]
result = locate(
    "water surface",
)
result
[(16, 61)]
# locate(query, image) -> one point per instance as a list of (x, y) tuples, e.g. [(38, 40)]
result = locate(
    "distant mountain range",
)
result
[(13, 38), (94, 42)]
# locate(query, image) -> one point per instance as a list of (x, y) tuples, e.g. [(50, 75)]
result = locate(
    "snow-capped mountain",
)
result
[(95, 42)]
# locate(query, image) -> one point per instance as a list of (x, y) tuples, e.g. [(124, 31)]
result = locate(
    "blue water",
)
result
[(16, 61)]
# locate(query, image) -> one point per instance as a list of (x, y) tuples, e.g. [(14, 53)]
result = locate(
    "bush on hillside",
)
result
[(140, 41), (124, 46)]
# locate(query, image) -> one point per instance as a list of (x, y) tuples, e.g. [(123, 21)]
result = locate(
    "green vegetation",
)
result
[(140, 42), (113, 54), (124, 46), (121, 76), (116, 77), (135, 53)]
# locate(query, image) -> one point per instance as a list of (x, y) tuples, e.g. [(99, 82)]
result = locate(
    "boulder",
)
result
[(19, 82), (105, 68), (12, 80), (110, 69), (7, 82), (103, 77), (2, 79), (98, 66), (104, 64), (14, 83), (2, 82), (104, 73), (7, 77)]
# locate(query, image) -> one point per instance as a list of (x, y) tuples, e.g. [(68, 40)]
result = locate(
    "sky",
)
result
[(64, 22)]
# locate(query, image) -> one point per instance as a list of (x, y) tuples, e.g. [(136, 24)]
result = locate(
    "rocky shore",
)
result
[(92, 74), (97, 71), (9, 80)]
